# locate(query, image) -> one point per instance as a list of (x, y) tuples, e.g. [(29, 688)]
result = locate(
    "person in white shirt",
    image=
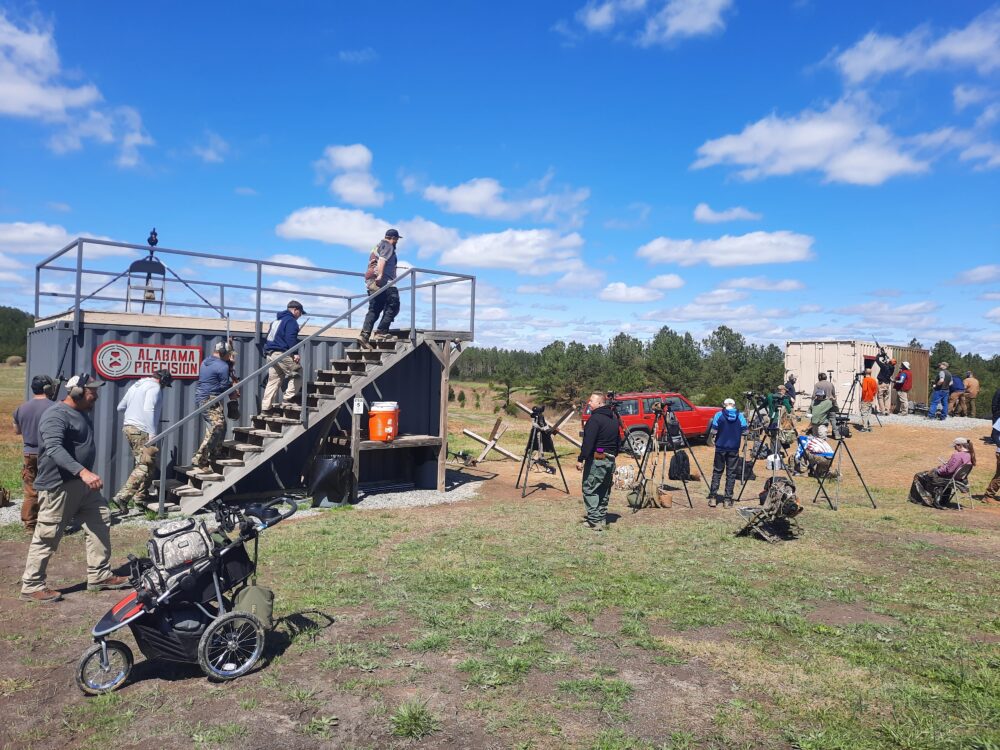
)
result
[(141, 405)]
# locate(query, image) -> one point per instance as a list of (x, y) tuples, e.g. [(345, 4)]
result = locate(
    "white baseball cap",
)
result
[(729, 403)]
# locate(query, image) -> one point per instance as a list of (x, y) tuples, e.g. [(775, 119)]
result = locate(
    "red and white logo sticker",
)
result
[(115, 360)]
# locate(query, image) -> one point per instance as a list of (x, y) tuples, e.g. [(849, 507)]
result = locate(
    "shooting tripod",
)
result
[(850, 398), (834, 459), (776, 449), (539, 444), (663, 417)]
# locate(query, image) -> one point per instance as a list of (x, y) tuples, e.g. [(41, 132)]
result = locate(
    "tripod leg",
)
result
[(688, 494), (555, 453), (867, 491), (524, 461), (822, 480)]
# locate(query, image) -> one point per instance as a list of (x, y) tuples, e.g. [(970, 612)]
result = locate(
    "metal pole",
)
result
[(222, 299), (79, 287), (413, 307), (38, 284), (164, 459), (434, 307), (305, 373), (472, 311), (256, 329)]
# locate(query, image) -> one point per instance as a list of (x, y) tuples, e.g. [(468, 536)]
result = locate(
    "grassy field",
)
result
[(11, 394), (504, 623)]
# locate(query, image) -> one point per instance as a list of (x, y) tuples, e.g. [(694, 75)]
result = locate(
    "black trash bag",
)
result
[(744, 470), (331, 480), (680, 467)]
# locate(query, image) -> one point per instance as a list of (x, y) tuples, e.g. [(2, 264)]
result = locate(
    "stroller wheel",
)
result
[(95, 678), (231, 646)]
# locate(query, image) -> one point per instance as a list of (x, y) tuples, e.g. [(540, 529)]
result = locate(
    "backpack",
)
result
[(744, 470), (680, 467), (674, 436), (174, 549), (779, 499), (372, 270)]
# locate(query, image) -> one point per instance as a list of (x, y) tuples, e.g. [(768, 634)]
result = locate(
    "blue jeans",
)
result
[(938, 398)]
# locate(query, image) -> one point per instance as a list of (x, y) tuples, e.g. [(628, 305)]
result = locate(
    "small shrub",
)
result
[(414, 720), (14, 361), (461, 399), (451, 393)]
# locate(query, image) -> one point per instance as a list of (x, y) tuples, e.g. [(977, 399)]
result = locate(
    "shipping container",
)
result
[(843, 361)]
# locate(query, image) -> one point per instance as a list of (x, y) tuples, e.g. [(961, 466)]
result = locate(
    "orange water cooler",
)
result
[(383, 421)]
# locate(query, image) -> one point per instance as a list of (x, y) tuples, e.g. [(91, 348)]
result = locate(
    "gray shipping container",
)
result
[(807, 359)]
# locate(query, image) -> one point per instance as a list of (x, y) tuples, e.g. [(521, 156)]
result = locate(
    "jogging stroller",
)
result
[(194, 600)]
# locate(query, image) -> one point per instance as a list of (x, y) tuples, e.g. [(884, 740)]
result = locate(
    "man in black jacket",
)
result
[(995, 406), (597, 460)]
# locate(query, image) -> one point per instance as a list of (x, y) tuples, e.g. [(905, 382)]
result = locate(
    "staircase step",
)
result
[(213, 477), (167, 507), (229, 462), (364, 355), (187, 491), (328, 376), (343, 367), (244, 447), (277, 420)]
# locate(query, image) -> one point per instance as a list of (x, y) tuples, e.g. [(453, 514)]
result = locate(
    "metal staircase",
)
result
[(267, 435)]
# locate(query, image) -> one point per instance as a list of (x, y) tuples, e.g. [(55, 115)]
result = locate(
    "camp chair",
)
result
[(957, 482)]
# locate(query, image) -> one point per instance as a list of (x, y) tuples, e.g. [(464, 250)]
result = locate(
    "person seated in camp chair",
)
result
[(927, 485), (814, 456)]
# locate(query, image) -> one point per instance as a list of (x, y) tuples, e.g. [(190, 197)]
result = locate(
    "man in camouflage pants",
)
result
[(141, 406), (214, 378)]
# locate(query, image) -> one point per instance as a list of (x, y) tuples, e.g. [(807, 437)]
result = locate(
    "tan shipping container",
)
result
[(807, 359)]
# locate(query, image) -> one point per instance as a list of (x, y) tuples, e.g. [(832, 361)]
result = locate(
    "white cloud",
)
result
[(358, 56), (214, 150), (704, 213), (993, 314), (63, 208), (843, 142), (986, 154), (641, 210), (35, 238), (965, 95), (979, 275), (911, 316), (685, 18), (742, 250), (533, 252), (666, 281), (304, 267), (990, 296), (720, 297), (485, 197), (352, 180), (352, 228), (243, 190), (9, 264), (618, 291), (7, 277), (602, 16), (31, 88), (429, 237), (977, 46), (491, 313), (764, 284)]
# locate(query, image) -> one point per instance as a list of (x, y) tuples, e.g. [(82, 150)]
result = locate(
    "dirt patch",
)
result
[(840, 613)]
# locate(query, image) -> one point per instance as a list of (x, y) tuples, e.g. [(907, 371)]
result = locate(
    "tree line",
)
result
[(722, 365), (14, 325)]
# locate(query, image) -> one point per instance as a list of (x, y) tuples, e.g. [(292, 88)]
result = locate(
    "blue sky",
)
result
[(794, 169)]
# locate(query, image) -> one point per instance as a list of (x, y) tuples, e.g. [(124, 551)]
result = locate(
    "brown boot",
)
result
[(45, 596), (110, 584)]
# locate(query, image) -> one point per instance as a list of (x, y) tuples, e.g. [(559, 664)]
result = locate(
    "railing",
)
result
[(303, 348), (223, 304)]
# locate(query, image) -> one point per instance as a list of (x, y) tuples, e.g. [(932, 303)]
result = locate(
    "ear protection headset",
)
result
[(77, 385), (43, 384)]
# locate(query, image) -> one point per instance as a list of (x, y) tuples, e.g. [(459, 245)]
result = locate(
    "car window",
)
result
[(647, 404), (628, 407), (678, 404)]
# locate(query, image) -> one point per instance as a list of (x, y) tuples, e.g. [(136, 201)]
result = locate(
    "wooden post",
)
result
[(443, 418), (355, 453)]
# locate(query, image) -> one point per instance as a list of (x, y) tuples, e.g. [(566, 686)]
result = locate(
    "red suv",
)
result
[(636, 411)]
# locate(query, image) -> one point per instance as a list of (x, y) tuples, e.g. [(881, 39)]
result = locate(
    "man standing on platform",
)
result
[(903, 382), (967, 406), (381, 271), (728, 427), (213, 379), (141, 405), (69, 490), (939, 395), (282, 336), (26, 419), (597, 460), (886, 367)]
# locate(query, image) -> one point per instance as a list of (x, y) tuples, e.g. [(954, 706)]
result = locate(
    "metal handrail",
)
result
[(305, 366)]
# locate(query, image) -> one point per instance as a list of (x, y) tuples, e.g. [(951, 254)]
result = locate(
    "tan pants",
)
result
[(884, 397), (283, 367), (56, 509), (966, 404), (866, 414), (953, 402), (904, 402), (29, 507), (994, 486)]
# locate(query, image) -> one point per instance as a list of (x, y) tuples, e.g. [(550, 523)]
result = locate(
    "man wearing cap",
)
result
[(282, 336), (381, 271), (903, 382), (967, 406), (69, 490), (214, 379), (141, 405), (869, 387), (955, 394), (26, 418), (886, 367), (727, 428), (939, 396)]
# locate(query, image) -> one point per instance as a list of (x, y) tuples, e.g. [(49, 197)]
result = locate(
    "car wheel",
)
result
[(638, 443)]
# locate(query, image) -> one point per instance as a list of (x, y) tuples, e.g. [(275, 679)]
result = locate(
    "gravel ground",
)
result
[(954, 424), (460, 487)]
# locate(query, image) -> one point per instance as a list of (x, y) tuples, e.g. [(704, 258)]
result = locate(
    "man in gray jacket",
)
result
[(68, 490)]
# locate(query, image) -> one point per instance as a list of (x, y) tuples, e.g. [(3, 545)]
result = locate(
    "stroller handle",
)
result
[(284, 499)]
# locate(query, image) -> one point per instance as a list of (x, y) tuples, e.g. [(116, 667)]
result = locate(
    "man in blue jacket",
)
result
[(282, 336), (213, 379), (727, 428)]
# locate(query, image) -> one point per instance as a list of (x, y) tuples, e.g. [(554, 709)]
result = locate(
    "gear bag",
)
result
[(174, 549), (680, 467), (257, 601), (779, 499)]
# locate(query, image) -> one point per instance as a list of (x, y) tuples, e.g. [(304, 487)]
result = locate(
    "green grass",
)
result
[(11, 449), (414, 720)]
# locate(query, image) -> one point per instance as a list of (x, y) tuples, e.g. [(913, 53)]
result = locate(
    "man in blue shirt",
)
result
[(213, 379), (282, 336), (728, 427)]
